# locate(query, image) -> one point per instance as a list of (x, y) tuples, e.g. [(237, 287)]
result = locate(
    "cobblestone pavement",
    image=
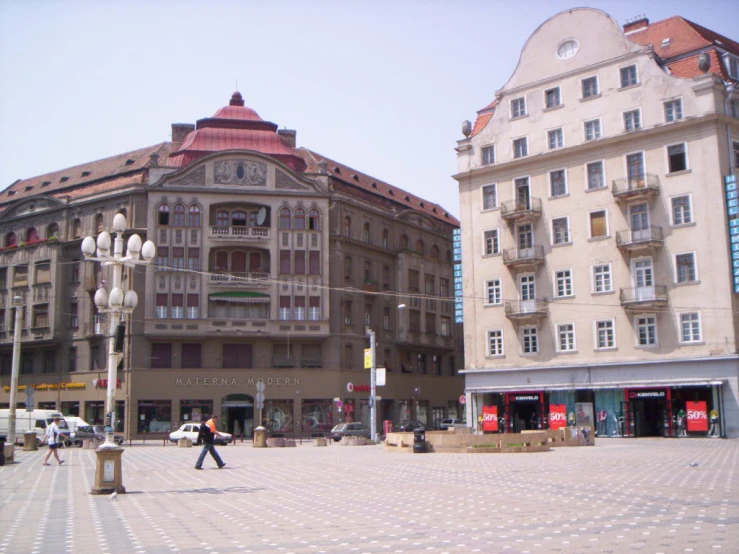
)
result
[(623, 495)]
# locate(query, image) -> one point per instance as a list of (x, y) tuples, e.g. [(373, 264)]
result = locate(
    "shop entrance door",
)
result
[(649, 418), (626, 420), (238, 414), (525, 416)]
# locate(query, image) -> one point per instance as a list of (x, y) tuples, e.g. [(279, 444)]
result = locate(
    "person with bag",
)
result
[(206, 434), (53, 436)]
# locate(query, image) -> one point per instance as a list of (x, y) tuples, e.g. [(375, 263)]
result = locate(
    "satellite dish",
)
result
[(261, 215)]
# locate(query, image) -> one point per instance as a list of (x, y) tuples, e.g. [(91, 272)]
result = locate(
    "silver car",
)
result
[(349, 430)]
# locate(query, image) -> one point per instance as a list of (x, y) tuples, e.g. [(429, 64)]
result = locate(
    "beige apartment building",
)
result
[(599, 209), (272, 262)]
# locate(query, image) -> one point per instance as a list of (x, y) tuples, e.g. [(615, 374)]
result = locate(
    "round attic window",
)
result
[(567, 49)]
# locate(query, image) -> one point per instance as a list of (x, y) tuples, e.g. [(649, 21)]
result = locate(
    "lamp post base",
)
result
[(108, 471)]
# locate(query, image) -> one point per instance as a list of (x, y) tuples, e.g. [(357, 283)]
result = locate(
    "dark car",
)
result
[(349, 430), (100, 430), (408, 425), (82, 433)]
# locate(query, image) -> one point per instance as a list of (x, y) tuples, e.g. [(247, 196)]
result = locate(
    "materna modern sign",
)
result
[(732, 210)]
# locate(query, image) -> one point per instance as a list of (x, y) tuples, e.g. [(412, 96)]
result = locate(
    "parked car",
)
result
[(408, 426), (451, 422), (100, 429), (85, 432), (349, 430), (191, 430)]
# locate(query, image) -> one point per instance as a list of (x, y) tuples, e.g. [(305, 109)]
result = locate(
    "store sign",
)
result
[(233, 382), (49, 386), (697, 416), (458, 293), (557, 416), (103, 383), (642, 394), (732, 210), (490, 418), (523, 398)]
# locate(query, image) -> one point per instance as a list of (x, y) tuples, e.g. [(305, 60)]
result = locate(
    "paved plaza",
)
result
[(623, 495)]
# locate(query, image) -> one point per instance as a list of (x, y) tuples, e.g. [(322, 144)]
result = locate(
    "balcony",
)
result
[(642, 239), (526, 310), (239, 233), (644, 299), (523, 258), (515, 210), (641, 187), (250, 278)]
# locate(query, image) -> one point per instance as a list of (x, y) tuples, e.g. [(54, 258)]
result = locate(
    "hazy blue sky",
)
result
[(381, 86)]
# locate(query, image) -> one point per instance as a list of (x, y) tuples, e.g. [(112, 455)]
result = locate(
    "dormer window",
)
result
[(45, 183), (64, 179), (732, 66)]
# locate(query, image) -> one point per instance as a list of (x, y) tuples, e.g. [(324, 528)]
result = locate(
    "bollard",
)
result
[(419, 441), (30, 442), (260, 437)]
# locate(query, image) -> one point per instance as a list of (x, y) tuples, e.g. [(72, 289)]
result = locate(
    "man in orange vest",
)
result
[(207, 433)]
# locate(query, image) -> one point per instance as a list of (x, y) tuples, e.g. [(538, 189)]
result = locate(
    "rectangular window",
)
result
[(628, 76), (673, 110), (495, 342), (178, 258), (162, 306), (590, 87), (493, 291), (677, 158), (75, 272), (563, 280), (598, 224), (178, 307), (285, 308), (690, 327), (386, 318), (163, 258), (43, 272), (74, 320), (556, 138), (530, 340), (732, 66), (492, 244), (443, 287), (646, 330), (299, 262), (193, 306), (488, 155), (237, 356), (299, 309), (681, 212), (561, 230), (314, 308), (193, 259), (605, 336), (596, 175), (520, 148), (285, 262), (736, 154), (446, 326), (72, 359), (518, 107), (489, 197), (632, 120), (685, 265), (430, 323), (566, 337), (414, 321), (191, 355), (314, 262), (161, 355), (552, 98), (602, 278), (592, 129), (413, 276), (558, 182), (347, 312)]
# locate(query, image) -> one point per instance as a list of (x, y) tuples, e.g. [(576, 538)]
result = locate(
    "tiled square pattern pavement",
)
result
[(623, 495)]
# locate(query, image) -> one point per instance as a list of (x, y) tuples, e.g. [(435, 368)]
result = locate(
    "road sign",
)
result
[(380, 377), (462, 399), (350, 387), (29, 397), (339, 404), (261, 386), (367, 358)]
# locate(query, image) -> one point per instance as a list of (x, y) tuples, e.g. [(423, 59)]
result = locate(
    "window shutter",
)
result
[(598, 224)]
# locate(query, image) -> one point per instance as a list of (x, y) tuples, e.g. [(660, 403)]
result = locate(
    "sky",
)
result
[(381, 86)]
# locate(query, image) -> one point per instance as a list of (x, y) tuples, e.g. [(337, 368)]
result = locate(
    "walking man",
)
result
[(207, 433), (53, 436)]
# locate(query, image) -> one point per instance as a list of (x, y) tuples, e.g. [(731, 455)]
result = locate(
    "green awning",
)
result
[(240, 297)]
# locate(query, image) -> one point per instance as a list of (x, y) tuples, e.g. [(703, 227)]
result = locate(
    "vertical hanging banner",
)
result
[(697, 416), (557, 416), (732, 210), (457, 258), (490, 418)]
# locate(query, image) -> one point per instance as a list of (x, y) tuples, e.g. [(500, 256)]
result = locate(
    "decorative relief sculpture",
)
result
[(237, 172), (192, 179), (282, 181)]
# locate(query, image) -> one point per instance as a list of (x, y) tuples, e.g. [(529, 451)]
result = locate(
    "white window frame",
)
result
[(637, 330), (623, 118), (596, 337), (561, 136), (521, 335), (587, 175), (689, 196), (496, 248), (570, 279), (553, 234), (667, 158), (620, 77), (675, 102), (496, 204), (728, 58), (593, 278), (558, 88), (585, 129), (558, 346), (597, 87), (608, 224), (483, 149), (488, 284), (677, 270), (643, 154), (525, 110), (499, 340), (567, 186), (513, 145), (681, 323)]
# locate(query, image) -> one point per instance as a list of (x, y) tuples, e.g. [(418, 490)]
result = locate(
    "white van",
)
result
[(36, 421)]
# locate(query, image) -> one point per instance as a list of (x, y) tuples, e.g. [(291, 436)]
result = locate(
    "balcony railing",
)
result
[(640, 238), (635, 186), (517, 209), (646, 297), (534, 255), (526, 309), (239, 231), (246, 278)]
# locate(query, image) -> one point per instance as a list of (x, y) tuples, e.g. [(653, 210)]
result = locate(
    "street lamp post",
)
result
[(116, 303), (15, 369)]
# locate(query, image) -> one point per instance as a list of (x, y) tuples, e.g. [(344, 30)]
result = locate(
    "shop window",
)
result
[(154, 416), (316, 416), (278, 416), (195, 410)]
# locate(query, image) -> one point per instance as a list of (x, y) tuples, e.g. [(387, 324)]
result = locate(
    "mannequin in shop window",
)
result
[(713, 432), (602, 418), (681, 431)]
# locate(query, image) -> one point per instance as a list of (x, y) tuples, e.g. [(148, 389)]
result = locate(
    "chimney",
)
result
[(636, 23), (180, 131), (288, 137)]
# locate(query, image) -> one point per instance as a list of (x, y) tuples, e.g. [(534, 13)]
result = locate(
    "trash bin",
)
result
[(387, 427), (2, 449), (419, 441), (260, 437)]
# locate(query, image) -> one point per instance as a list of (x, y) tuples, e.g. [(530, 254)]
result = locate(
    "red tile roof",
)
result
[(483, 117), (374, 186)]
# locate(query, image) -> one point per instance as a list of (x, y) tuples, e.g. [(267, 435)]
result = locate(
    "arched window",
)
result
[(163, 214), (10, 240), (420, 247), (253, 219), (299, 219), (348, 226), (99, 227), (366, 232), (385, 238), (76, 229), (284, 218), (52, 231), (314, 220), (404, 241), (238, 219), (435, 252), (32, 235), (194, 217), (222, 220), (179, 215)]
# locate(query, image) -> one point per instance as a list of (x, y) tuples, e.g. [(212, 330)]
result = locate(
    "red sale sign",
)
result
[(557, 416), (697, 416), (490, 418)]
